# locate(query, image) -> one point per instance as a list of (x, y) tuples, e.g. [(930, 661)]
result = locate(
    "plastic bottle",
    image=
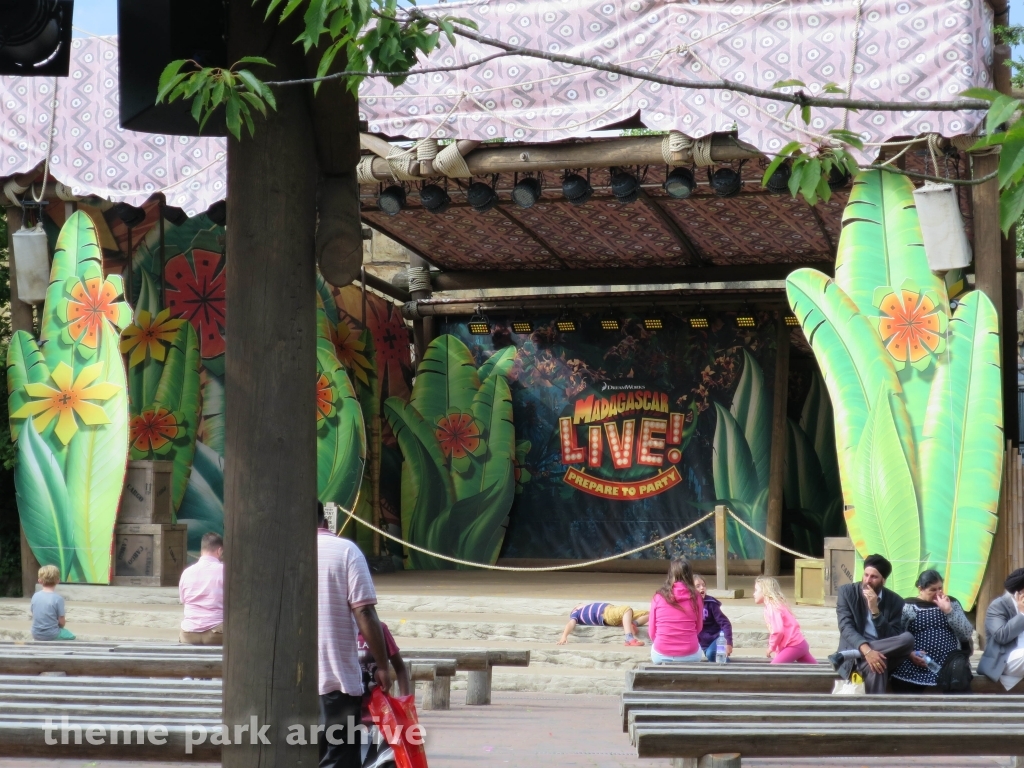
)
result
[(721, 649), (933, 666)]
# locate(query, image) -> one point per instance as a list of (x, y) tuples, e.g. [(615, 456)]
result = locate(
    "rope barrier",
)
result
[(489, 567), (775, 544)]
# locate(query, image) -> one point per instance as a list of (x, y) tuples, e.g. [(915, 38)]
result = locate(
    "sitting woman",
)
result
[(939, 625), (677, 615), (786, 643)]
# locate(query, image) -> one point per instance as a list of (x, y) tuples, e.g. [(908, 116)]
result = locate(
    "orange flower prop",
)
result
[(350, 352), (146, 334), (324, 398), (912, 324), (153, 430), (92, 302), (66, 400), (459, 435)]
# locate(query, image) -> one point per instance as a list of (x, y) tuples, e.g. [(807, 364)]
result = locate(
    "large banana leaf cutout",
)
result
[(163, 384), (69, 411), (915, 390), (459, 448)]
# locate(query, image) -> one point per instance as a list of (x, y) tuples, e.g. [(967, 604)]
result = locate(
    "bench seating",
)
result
[(479, 663), (75, 662)]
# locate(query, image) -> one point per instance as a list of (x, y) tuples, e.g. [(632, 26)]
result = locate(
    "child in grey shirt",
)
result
[(48, 608)]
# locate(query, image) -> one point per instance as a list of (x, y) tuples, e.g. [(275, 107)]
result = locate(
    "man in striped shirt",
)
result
[(345, 608)]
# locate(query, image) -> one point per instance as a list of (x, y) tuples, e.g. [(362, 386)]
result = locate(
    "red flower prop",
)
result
[(324, 398), (195, 291), (153, 430), (912, 324), (459, 435)]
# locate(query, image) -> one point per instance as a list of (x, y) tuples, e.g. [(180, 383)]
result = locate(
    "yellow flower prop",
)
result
[(146, 334), (350, 352), (67, 400)]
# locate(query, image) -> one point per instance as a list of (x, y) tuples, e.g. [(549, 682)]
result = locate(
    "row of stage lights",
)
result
[(479, 325), (680, 184)]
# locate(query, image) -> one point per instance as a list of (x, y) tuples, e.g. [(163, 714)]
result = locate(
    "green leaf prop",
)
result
[(202, 508), (77, 359), (736, 481), (752, 408), (446, 378), (816, 422), (212, 424), (804, 486)]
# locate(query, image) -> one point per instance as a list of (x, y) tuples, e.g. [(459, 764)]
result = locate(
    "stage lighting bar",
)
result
[(565, 325), (522, 326), (699, 322), (746, 321), (610, 324), (479, 326), (791, 321), (653, 324)]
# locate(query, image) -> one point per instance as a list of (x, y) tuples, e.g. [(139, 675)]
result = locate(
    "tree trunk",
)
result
[(270, 490)]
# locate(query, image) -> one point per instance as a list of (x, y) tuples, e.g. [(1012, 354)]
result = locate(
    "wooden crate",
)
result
[(839, 565), (149, 555), (146, 499), (809, 582)]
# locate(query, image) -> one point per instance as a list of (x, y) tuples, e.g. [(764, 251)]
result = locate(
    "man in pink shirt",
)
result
[(201, 591), (345, 608)]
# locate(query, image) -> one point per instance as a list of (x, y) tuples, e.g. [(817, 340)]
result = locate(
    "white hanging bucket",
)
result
[(942, 227), (31, 264)]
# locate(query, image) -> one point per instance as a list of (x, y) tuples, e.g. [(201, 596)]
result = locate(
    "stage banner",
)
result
[(624, 436)]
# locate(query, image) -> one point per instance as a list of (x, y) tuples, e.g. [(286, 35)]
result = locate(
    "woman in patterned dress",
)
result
[(938, 624)]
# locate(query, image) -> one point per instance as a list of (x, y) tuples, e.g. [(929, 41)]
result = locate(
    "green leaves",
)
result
[(752, 410), (43, 502)]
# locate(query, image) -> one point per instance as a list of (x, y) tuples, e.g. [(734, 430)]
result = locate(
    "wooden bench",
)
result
[(93, 662), (479, 663), (692, 728)]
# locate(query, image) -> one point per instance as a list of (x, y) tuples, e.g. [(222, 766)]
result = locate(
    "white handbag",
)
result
[(848, 688)]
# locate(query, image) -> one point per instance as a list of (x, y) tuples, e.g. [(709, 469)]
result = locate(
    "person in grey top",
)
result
[(1003, 660), (48, 608)]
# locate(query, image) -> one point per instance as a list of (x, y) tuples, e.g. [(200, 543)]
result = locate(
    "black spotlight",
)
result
[(434, 198), (175, 216), (35, 37), (680, 183), (129, 214), (218, 213), (838, 178), (726, 182), (625, 187), (778, 182), (576, 189), (482, 197), (527, 192), (392, 200)]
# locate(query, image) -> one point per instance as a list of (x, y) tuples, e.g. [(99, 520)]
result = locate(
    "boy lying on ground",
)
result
[(606, 615)]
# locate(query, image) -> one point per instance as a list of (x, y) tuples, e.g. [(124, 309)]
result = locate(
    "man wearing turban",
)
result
[(1003, 659), (871, 639)]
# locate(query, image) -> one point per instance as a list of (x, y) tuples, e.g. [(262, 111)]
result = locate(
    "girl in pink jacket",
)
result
[(786, 644), (677, 615)]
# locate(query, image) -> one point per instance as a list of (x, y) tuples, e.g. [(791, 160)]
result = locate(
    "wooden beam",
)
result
[(553, 278), (777, 466), (536, 236), (672, 226), (381, 285)]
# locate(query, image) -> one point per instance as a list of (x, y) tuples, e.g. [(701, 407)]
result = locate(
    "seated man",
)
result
[(870, 628), (1003, 659), (606, 615), (201, 591)]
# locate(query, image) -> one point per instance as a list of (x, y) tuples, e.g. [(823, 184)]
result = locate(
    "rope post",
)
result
[(722, 559)]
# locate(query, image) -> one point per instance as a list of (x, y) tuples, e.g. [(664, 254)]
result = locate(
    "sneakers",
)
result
[(836, 660), (634, 642), (842, 665)]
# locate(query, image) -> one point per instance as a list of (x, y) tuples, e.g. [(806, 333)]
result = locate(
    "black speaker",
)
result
[(35, 37), (152, 34)]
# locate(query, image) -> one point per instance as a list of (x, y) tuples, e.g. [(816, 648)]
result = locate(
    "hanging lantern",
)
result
[(31, 263), (942, 228)]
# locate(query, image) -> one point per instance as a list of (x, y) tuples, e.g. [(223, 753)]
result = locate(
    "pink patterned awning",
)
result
[(91, 153), (890, 49)]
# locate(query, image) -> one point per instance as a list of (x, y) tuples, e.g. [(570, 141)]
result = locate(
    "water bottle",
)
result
[(933, 666), (721, 649)]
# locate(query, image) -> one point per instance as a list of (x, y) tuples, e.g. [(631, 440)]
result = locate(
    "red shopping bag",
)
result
[(395, 716)]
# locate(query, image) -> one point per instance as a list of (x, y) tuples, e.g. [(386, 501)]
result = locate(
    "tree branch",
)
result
[(926, 177), (800, 98), (355, 73)]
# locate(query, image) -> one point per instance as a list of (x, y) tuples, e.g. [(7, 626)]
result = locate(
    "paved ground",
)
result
[(523, 730)]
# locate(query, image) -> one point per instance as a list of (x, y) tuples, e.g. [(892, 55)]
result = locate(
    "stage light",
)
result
[(175, 216), (680, 183), (392, 200), (610, 324), (479, 325), (218, 213), (838, 178), (778, 182), (576, 189), (625, 187), (698, 322), (434, 199), (566, 325), (482, 197), (35, 40), (653, 323), (746, 321), (522, 326), (527, 192), (726, 182), (791, 321)]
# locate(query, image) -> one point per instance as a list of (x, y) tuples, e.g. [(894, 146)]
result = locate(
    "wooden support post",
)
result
[(478, 689), (21, 320), (438, 693), (777, 467), (270, 489), (722, 590), (422, 330), (708, 761)]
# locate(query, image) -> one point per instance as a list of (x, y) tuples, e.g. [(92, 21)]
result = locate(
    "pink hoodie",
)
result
[(674, 630), (783, 626)]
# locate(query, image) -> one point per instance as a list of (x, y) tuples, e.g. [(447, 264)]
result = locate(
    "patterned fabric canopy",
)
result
[(91, 153)]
